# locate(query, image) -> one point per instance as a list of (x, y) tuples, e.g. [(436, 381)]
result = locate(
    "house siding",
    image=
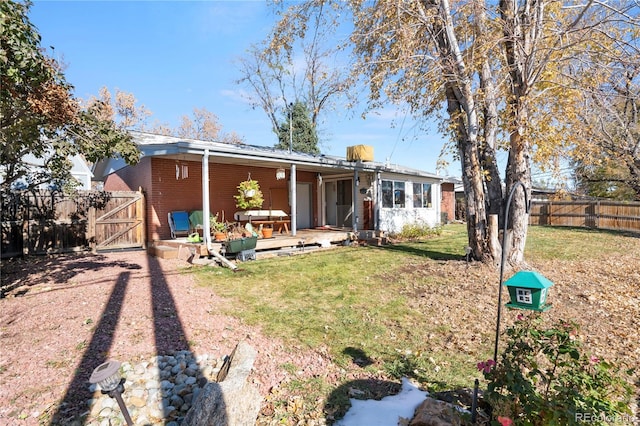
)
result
[(393, 219)]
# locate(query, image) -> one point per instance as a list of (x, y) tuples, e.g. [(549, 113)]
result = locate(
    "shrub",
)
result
[(544, 379), (418, 230)]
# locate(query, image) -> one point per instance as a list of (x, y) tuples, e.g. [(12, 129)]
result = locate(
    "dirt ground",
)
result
[(61, 317), (64, 316)]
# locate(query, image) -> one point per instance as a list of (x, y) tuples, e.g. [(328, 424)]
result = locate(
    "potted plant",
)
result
[(218, 228), (249, 195)]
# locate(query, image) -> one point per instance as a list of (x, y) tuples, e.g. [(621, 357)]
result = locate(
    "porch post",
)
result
[(206, 225), (377, 201), (354, 203), (294, 208)]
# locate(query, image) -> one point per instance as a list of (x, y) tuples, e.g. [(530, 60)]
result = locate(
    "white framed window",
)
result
[(523, 295), (393, 194), (422, 195)]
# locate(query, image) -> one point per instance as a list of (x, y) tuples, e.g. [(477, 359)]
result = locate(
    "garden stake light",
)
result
[(107, 376)]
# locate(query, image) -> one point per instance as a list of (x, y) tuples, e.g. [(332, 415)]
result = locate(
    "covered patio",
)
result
[(304, 239)]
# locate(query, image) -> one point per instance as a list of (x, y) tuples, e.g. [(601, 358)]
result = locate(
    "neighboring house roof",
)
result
[(80, 170), (153, 145)]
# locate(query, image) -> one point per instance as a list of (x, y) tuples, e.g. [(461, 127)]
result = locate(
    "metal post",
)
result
[(206, 224), (474, 403), (117, 394), (504, 249), (294, 205), (354, 204), (291, 128)]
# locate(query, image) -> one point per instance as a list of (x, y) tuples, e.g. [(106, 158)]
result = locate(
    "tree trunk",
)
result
[(518, 169), (463, 114), (493, 181), (521, 29), (471, 180)]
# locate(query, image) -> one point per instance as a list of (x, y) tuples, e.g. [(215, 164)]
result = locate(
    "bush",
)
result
[(544, 379), (418, 230)]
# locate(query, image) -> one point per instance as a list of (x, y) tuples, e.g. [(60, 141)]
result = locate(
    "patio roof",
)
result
[(154, 145)]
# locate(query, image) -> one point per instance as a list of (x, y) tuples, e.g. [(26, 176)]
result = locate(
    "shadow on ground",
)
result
[(169, 334), (422, 250), (17, 273)]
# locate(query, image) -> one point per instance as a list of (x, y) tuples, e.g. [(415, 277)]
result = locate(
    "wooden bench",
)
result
[(282, 226), (276, 219)]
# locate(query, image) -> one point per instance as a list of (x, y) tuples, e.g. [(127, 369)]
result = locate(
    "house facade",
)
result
[(314, 190), (80, 171)]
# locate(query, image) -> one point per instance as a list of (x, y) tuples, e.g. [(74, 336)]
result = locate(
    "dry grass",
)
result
[(418, 309)]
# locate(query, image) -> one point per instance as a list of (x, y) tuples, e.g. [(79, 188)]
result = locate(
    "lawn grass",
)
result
[(545, 242), (376, 302)]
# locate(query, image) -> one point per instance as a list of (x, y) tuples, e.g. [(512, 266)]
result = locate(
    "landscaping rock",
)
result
[(149, 399), (234, 401), (433, 412)]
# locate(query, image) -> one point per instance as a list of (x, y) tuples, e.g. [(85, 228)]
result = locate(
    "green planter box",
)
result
[(240, 244)]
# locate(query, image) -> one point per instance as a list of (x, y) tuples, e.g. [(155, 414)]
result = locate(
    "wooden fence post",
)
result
[(91, 228), (141, 208)]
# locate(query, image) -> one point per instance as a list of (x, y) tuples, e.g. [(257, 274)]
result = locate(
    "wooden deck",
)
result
[(303, 238)]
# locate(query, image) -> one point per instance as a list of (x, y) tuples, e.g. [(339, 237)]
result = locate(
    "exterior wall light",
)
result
[(280, 173), (107, 376)]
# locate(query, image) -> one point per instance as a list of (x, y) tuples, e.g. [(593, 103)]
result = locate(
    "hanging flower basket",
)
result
[(249, 195)]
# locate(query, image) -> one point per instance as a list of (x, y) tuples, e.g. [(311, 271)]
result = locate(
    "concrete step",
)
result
[(163, 252), (379, 241)]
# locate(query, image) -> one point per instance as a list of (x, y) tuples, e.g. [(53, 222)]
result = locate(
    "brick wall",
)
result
[(172, 185), (448, 204)]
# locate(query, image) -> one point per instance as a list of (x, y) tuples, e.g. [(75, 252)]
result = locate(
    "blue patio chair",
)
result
[(179, 223)]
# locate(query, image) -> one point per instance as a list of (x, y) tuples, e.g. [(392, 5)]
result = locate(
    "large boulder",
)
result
[(433, 412), (231, 402)]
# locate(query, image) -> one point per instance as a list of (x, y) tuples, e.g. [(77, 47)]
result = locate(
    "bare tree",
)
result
[(498, 69), (278, 73)]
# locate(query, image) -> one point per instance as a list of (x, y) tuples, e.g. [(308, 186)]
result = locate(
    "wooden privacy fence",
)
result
[(41, 222), (600, 214)]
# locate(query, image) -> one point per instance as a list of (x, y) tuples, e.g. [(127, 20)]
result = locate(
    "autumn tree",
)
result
[(491, 73), (201, 125), (205, 125), (121, 107), (280, 71), (124, 109), (607, 158), (39, 115), (297, 132)]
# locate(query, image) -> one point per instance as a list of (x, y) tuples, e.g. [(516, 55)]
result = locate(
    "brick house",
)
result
[(328, 191)]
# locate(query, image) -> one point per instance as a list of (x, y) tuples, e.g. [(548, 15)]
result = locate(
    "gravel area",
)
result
[(62, 316)]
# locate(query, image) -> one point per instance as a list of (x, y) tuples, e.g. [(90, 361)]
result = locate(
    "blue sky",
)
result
[(174, 56)]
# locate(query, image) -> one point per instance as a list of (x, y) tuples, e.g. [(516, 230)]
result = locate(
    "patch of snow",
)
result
[(387, 411)]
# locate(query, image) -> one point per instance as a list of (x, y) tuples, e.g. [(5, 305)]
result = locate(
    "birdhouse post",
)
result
[(528, 290)]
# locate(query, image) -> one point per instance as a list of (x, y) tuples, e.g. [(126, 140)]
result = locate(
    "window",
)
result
[(421, 195), (523, 295), (393, 194)]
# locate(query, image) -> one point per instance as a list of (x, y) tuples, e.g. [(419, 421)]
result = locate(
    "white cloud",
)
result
[(239, 95)]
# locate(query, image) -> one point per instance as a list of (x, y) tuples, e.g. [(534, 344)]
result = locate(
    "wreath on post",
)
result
[(249, 195)]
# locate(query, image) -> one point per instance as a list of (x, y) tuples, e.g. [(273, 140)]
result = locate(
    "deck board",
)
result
[(304, 237)]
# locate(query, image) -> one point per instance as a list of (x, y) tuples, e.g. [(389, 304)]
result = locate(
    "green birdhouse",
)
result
[(528, 290)]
